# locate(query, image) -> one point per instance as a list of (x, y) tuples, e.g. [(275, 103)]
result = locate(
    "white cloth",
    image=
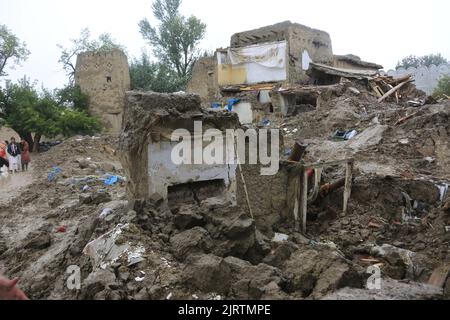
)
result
[(4, 172), (14, 162), (270, 55)]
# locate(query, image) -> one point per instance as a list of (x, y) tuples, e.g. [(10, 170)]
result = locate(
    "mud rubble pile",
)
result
[(75, 213)]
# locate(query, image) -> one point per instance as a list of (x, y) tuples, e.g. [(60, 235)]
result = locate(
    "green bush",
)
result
[(442, 88)]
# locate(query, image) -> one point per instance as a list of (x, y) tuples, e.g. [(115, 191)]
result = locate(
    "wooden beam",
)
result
[(393, 90), (297, 152), (244, 184), (304, 200), (348, 186), (318, 164), (400, 121), (297, 202)]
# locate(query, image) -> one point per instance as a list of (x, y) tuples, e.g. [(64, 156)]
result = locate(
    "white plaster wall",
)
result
[(306, 60), (164, 173), (244, 112), (264, 96)]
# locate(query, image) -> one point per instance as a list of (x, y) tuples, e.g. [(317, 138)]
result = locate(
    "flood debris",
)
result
[(142, 227), (111, 247)]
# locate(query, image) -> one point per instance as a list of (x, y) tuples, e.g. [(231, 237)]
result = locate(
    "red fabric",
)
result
[(25, 152), (62, 229), (3, 151)]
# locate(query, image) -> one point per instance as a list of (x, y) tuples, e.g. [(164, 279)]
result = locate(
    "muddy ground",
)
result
[(397, 220)]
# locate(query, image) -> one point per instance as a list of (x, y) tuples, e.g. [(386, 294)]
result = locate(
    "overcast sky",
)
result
[(381, 31)]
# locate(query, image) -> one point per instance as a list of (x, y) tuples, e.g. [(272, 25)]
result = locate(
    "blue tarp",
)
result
[(53, 173), (232, 102), (111, 180)]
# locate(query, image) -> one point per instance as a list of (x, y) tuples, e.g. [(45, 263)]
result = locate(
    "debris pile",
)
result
[(359, 208)]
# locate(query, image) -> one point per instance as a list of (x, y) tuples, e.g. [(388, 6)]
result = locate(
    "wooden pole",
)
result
[(304, 199), (243, 182), (348, 186), (400, 121), (297, 152), (296, 203)]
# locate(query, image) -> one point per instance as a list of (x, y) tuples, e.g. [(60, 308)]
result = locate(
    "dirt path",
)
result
[(13, 185)]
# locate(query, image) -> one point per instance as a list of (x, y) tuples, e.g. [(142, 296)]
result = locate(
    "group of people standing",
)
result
[(15, 156)]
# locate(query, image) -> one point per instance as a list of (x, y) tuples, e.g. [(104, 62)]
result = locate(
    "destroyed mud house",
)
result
[(358, 209)]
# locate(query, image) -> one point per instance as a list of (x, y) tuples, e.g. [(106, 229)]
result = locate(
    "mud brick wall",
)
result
[(204, 80), (299, 38), (268, 196), (104, 77)]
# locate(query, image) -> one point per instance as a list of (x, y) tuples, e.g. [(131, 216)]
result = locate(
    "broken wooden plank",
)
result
[(395, 81), (372, 86), (392, 91), (439, 276), (374, 225), (319, 164), (368, 260), (400, 121)]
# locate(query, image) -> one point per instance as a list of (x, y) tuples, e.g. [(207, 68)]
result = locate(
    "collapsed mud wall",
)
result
[(146, 146), (267, 196), (351, 61)]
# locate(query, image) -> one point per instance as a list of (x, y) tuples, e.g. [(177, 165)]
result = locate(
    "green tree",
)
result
[(71, 96), (33, 115), (443, 88), (11, 49), (73, 122), (427, 60), (16, 107), (153, 76), (84, 43), (175, 39)]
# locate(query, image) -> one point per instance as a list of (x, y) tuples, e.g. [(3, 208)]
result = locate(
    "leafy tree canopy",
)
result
[(11, 49), (29, 112), (153, 76), (174, 39), (72, 97), (84, 43), (427, 60)]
